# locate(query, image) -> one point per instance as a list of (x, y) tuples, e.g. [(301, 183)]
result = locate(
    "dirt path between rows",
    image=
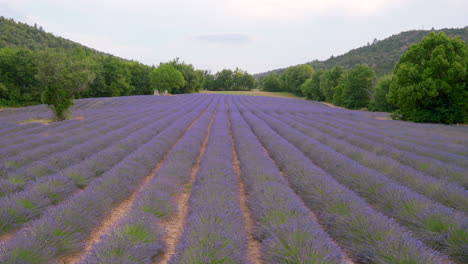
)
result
[(118, 212), (175, 225), (253, 246)]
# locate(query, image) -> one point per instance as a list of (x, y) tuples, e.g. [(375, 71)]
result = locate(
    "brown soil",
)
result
[(253, 246), (346, 259), (116, 214), (175, 225), (383, 117), (5, 238), (333, 106), (47, 121)]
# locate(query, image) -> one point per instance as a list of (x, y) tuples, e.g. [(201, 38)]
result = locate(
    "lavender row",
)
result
[(401, 131), (67, 130), (429, 166), (214, 231), (447, 193), (374, 135), (138, 236), (27, 157), (18, 155), (282, 222), (438, 226), (62, 230), (90, 114), (367, 235), (21, 131), (57, 161), (19, 208), (32, 129), (436, 132)]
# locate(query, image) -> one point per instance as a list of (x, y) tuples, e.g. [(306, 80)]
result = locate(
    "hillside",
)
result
[(21, 35), (23, 48), (381, 55)]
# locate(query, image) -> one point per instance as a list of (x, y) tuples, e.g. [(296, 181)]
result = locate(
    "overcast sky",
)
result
[(254, 35)]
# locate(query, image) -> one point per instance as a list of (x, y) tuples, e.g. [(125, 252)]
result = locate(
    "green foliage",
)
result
[(311, 87), (167, 77), (228, 80), (329, 81), (295, 76), (194, 79), (62, 78), (430, 81), (21, 48), (380, 102), (17, 70), (355, 89), (139, 78), (272, 83)]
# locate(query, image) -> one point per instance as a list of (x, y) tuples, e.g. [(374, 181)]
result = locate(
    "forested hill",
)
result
[(382, 55), (20, 35)]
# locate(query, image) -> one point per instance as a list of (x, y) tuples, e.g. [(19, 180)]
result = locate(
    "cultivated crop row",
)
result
[(229, 179)]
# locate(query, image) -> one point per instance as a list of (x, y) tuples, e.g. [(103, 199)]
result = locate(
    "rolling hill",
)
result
[(382, 55)]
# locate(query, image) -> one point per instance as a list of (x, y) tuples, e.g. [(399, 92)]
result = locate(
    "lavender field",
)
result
[(229, 179)]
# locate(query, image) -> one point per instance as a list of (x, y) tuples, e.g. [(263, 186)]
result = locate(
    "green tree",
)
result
[(311, 87), (166, 77), (18, 68), (242, 80), (295, 76), (224, 80), (329, 81), (62, 78), (194, 79), (140, 78), (380, 102), (355, 88), (272, 83), (117, 77), (430, 81)]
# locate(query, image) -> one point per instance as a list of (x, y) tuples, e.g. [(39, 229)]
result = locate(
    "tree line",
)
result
[(429, 83)]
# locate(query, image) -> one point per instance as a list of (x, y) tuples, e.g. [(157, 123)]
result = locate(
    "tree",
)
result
[(355, 89), (18, 68), (62, 78), (329, 81), (430, 81), (311, 87), (194, 79), (140, 78), (224, 80), (295, 76), (380, 102), (272, 83), (117, 77), (242, 80), (166, 77)]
